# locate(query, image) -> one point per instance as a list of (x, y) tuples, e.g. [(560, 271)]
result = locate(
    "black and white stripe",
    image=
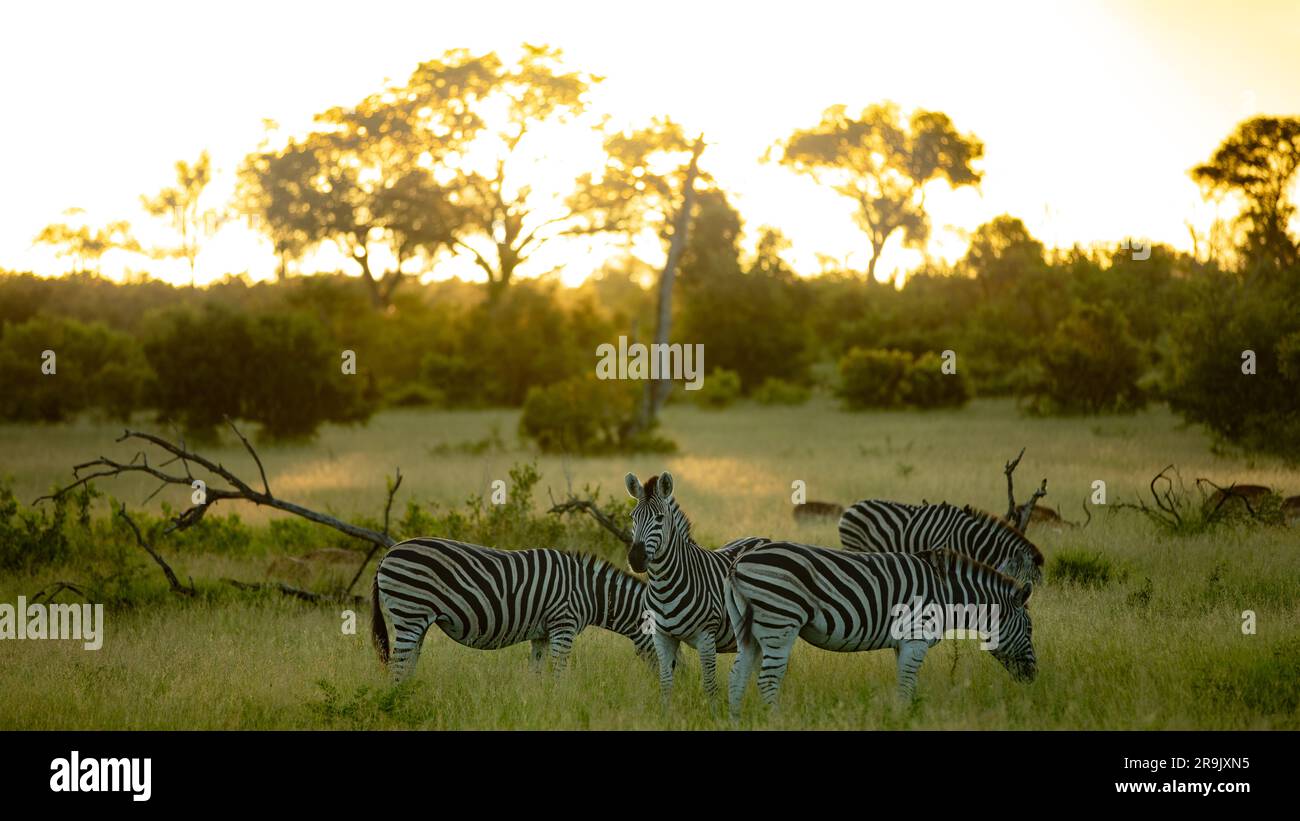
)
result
[(685, 580), (488, 599), (848, 602), (883, 526)]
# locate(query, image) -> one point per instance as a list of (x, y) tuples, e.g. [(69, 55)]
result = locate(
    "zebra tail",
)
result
[(378, 630)]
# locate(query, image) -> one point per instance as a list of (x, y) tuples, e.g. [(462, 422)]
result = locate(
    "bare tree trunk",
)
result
[(656, 392)]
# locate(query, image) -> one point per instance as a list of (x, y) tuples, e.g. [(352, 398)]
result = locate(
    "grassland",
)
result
[(1159, 645)]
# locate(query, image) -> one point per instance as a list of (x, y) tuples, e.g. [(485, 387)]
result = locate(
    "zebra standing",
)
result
[(685, 580), (488, 599), (848, 602), (884, 526)]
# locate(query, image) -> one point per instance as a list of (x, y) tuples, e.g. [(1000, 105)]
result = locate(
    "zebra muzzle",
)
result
[(636, 557)]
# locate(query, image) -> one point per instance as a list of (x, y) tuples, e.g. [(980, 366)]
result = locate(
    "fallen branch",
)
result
[(104, 467), (48, 594), (296, 592), (175, 583)]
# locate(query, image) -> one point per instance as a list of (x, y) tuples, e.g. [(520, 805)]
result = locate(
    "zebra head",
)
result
[(652, 518), (1015, 650)]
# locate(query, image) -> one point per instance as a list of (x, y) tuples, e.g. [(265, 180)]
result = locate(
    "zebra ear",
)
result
[(666, 485), (633, 485), (1025, 590)]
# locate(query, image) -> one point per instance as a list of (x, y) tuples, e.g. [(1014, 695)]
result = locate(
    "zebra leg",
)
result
[(775, 646), (561, 645), (408, 636), (741, 670), (910, 656), (666, 647), (708, 649), (538, 655)]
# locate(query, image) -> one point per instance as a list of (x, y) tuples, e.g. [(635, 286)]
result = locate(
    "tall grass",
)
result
[(1158, 645)]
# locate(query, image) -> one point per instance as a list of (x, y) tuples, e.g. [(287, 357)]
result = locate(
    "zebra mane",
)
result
[(1021, 540), (652, 487), (598, 564), (978, 568)]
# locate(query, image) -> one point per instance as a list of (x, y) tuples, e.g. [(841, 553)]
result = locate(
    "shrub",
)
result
[(874, 378), (1205, 380), (1083, 569), (584, 414), (1091, 364), (721, 389), (280, 370), (776, 391), (95, 366), (896, 379), (930, 387)]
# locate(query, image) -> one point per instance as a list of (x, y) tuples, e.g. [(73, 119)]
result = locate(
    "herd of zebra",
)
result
[(753, 596)]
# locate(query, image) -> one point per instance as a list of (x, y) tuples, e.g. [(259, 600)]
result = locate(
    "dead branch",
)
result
[(1012, 515), (576, 505), (296, 592), (1225, 494), (1027, 509), (237, 488), (1018, 515), (175, 583), (48, 593)]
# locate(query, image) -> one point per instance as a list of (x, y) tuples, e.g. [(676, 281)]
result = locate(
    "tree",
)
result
[(749, 319), (504, 211), (649, 182), (1258, 161), (85, 244), (362, 181), (884, 165), (1001, 252), (180, 204)]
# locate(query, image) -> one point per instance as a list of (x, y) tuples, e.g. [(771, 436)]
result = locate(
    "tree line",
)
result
[(433, 167)]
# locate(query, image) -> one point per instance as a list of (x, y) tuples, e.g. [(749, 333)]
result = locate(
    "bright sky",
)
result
[(1091, 113)]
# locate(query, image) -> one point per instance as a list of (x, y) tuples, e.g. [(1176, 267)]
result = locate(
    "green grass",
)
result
[(1158, 645)]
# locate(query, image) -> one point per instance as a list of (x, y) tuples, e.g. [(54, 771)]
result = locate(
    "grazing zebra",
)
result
[(882, 526), (686, 581), (847, 601), (488, 599)]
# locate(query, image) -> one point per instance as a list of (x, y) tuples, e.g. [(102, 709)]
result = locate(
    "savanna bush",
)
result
[(1206, 380), (583, 414), (280, 370), (721, 389), (1090, 364), (775, 391), (94, 367), (871, 378), (1083, 569)]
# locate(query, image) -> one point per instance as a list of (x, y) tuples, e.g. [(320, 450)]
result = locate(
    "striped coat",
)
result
[(884, 526), (488, 599), (685, 580), (848, 602)]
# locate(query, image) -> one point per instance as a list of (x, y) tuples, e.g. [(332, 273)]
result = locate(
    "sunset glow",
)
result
[(1091, 113)]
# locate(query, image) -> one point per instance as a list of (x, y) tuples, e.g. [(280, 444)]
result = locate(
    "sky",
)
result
[(1091, 113)]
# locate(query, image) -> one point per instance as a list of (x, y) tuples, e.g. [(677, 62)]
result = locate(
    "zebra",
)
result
[(489, 599), (685, 581), (884, 526), (848, 601)]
